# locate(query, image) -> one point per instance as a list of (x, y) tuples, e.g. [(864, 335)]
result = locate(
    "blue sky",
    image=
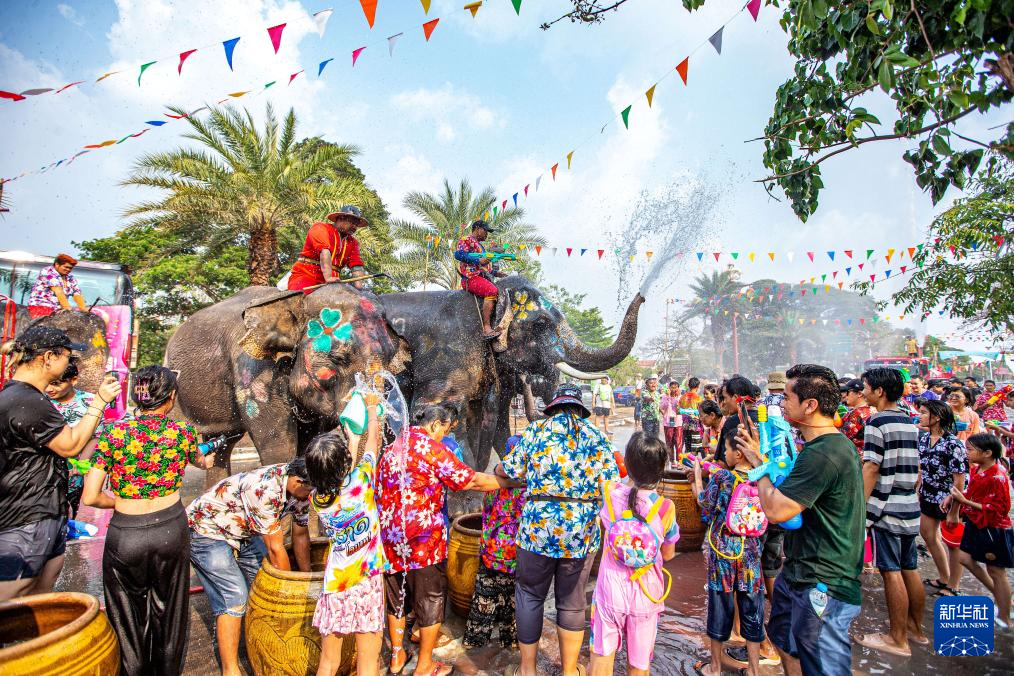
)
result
[(495, 100)]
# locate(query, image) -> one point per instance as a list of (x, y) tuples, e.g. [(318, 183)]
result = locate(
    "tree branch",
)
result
[(922, 28), (586, 15)]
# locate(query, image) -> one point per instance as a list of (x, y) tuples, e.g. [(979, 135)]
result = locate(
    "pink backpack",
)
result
[(744, 517), (634, 543)]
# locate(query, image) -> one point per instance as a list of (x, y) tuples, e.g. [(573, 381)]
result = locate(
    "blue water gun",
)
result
[(775, 440), (692, 412)]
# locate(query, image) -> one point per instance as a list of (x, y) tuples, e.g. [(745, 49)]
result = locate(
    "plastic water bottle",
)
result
[(818, 598)]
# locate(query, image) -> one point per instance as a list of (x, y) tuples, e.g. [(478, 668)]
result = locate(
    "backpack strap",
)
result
[(653, 512), (607, 490), (639, 574)]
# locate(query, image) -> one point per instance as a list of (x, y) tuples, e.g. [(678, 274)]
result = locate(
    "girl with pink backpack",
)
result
[(640, 533)]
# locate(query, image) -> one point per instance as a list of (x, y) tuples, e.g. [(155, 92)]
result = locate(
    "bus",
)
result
[(916, 366)]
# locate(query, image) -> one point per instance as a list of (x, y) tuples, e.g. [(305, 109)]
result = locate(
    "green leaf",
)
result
[(958, 98), (940, 145), (888, 10), (885, 76), (871, 23), (959, 13)]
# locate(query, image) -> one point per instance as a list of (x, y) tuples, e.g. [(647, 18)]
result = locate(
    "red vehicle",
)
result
[(916, 366)]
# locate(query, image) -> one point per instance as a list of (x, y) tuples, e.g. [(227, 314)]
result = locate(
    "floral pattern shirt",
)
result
[(72, 411), (938, 463), (42, 292), (651, 405), (352, 522), (564, 457), (994, 412), (501, 516), (147, 456), (247, 504), (853, 426), (725, 575), (412, 523), (467, 271)]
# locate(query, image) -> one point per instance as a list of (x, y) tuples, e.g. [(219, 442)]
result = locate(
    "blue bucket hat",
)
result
[(567, 394)]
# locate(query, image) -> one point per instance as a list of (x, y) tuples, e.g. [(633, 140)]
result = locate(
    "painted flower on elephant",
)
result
[(523, 305), (328, 330)]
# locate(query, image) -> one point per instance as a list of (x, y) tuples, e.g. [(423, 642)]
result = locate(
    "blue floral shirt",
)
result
[(565, 457), (743, 571)]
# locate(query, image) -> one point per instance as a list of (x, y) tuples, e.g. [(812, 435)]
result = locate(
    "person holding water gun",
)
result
[(474, 267), (989, 404), (817, 595)]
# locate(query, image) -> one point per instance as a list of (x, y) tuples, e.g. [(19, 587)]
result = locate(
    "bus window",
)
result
[(102, 287)]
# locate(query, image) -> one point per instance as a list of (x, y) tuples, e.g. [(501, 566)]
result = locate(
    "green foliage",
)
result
[(587, 323), (419, 262), (927, 57), (975, 284), (627, 371), (715, 303)]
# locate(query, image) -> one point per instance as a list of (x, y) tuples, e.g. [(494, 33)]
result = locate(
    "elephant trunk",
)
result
[(591, 359), (529, 398)]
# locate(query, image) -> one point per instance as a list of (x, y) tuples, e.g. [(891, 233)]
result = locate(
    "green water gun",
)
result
[(496, 257), (81, 466)]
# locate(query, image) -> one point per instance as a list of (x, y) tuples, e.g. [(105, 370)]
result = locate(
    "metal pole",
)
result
[(426, 268), (735, 344)]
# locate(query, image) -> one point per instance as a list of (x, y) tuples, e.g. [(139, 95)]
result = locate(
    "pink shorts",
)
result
[(609, 627), (357, 610)]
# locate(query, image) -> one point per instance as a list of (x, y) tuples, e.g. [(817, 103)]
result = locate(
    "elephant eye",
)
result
[(541, 323)]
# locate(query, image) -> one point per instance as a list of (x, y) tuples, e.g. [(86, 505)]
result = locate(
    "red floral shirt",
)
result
[(991, 489), (994, 412), (412, 522), (146, 457), (469, 270), (853, 426), (501, 515)]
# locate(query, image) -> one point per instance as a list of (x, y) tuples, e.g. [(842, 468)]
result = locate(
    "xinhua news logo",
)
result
[(964, 626)]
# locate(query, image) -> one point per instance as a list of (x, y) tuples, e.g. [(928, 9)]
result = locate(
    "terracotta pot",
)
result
[(463, 561), (679, 489), (280, 636), (62, 633)]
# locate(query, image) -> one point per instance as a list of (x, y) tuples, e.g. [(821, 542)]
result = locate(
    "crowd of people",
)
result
[(880, 460)]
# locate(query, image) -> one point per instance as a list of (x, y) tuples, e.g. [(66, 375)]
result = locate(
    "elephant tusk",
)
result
[(568, 370)]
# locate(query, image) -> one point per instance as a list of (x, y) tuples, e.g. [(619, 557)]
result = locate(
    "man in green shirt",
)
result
[(817, 595), (602, 403)]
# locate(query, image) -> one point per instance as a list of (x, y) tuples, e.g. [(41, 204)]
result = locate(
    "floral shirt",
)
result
[(72, 411), (468, 245), (412, 523), (651, 405), (42, 292), (853, 425), (991, 489), (352, 522), (669, 410), (938, 464), (247, 504), (501, 516), (146, 457), (690, 399), (741, 574), (563, 457), (994, 412)]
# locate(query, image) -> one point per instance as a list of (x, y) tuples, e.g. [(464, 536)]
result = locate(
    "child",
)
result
[(630, 588), (734, 566), (985, 506), (352, 600), (493, 602), (72, 404)]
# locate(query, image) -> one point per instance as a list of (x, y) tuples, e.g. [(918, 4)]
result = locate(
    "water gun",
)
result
[(689, 458), (692, 412), (1000, 394), (839, 415), (618, 457), (775, 436), (497, 257), (215, 444), (80, 466)]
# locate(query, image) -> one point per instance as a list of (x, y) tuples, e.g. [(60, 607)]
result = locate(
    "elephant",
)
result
[(451, 363), (81, 327), (277, 365)]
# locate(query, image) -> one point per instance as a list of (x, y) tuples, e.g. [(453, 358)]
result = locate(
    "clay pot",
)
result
[(280, 636), (679, 489), (463, 561), (62, 633)]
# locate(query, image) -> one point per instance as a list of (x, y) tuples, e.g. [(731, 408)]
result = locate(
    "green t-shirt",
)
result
[(828, 548), (604, 395)]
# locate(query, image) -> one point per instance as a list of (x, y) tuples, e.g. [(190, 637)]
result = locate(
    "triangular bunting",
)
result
[(650, 94), (515, 200), (790, 255), (570, 156), (568, 251), (517, 6), (751, 256), (144, 67), (583, 251), (754, 7), (538, 249), (113, 72), (716, 254), (355, 55), (553, 169), (230, 47), (830, 254), (426, 6), (537, 182), (526, 190), (275, 33), (771, 255), (848, 252), (809, 255), (428, 28), (716, 40), (735, 256), (869, 252), (625, 114), (320, 67), (390, 43), (472, 7), (600, 252), (179, 68), (700, 255), (320, 19), (682, 69), (291, 77), (369, 10)]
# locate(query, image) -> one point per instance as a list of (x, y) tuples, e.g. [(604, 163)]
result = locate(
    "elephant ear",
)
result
[(273, 326)]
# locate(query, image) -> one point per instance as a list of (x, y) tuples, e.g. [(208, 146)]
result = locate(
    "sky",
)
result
[(493, 99)]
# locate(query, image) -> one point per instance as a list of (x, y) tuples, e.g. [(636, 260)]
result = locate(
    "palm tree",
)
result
[(244, 185), (423, 253), (715, 303)]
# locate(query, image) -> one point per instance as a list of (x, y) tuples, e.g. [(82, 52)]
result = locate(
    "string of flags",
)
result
[(274, 33)]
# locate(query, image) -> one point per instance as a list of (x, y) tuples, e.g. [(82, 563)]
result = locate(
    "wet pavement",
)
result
[(681, 639)]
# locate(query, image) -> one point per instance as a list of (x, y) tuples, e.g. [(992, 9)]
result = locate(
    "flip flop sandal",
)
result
[(948, 591), (935, 584), (408, 658), (699, 667), (877, 642), (438, 669)]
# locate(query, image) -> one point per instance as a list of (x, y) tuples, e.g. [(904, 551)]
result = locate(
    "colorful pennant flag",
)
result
[(537, 182), (144, 67), (230, 46), (275, 33), (183, 57), (12, 96), (553, 168), (754, 7), (291, 78), (426, 6), (428, 28), (650, 94), (156, 123), (471, 7), (515, 200), (320, 20), (370, 10), (682, 68), (112, 72), (625, 114), (390, 43), (320, 67), (517, 6), (716, 40), (570, 156), (355, 55)]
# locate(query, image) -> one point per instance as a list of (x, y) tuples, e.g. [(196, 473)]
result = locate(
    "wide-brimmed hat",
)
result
[(777, 380), (41, 338), (567, 394), (350, 212)]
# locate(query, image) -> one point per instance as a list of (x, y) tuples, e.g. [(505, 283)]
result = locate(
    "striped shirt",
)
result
[(892, 442)]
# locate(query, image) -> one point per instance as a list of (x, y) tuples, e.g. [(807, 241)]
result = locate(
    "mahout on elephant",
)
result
[(278, 365)]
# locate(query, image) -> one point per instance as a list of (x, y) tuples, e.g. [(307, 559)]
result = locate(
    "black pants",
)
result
[(146, 575), (535, 574)]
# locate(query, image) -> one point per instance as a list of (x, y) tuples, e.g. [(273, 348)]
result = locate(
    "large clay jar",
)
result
[(280, 636), (463, 561), (62, 633), (679, 489)]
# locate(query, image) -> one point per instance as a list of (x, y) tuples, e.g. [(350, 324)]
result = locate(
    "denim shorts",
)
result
[(895, 552), (721, 614), (24, 550), (226, 574), (820, 643)]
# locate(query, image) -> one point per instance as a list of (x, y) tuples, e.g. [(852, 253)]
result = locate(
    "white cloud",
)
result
[(409, 171), (70, 14), (448, 108)]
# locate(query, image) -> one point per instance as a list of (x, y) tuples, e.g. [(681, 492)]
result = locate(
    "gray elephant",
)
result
[(82, 327), (451, 363), (277, 365)]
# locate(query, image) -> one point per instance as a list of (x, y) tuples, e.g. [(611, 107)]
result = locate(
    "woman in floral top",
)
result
[(55, 288), (146, 560), (414, 531), (853, 424), (943, 464), (564, 461)]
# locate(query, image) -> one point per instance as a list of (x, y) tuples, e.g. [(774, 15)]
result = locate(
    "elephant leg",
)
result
[(274, 434)]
